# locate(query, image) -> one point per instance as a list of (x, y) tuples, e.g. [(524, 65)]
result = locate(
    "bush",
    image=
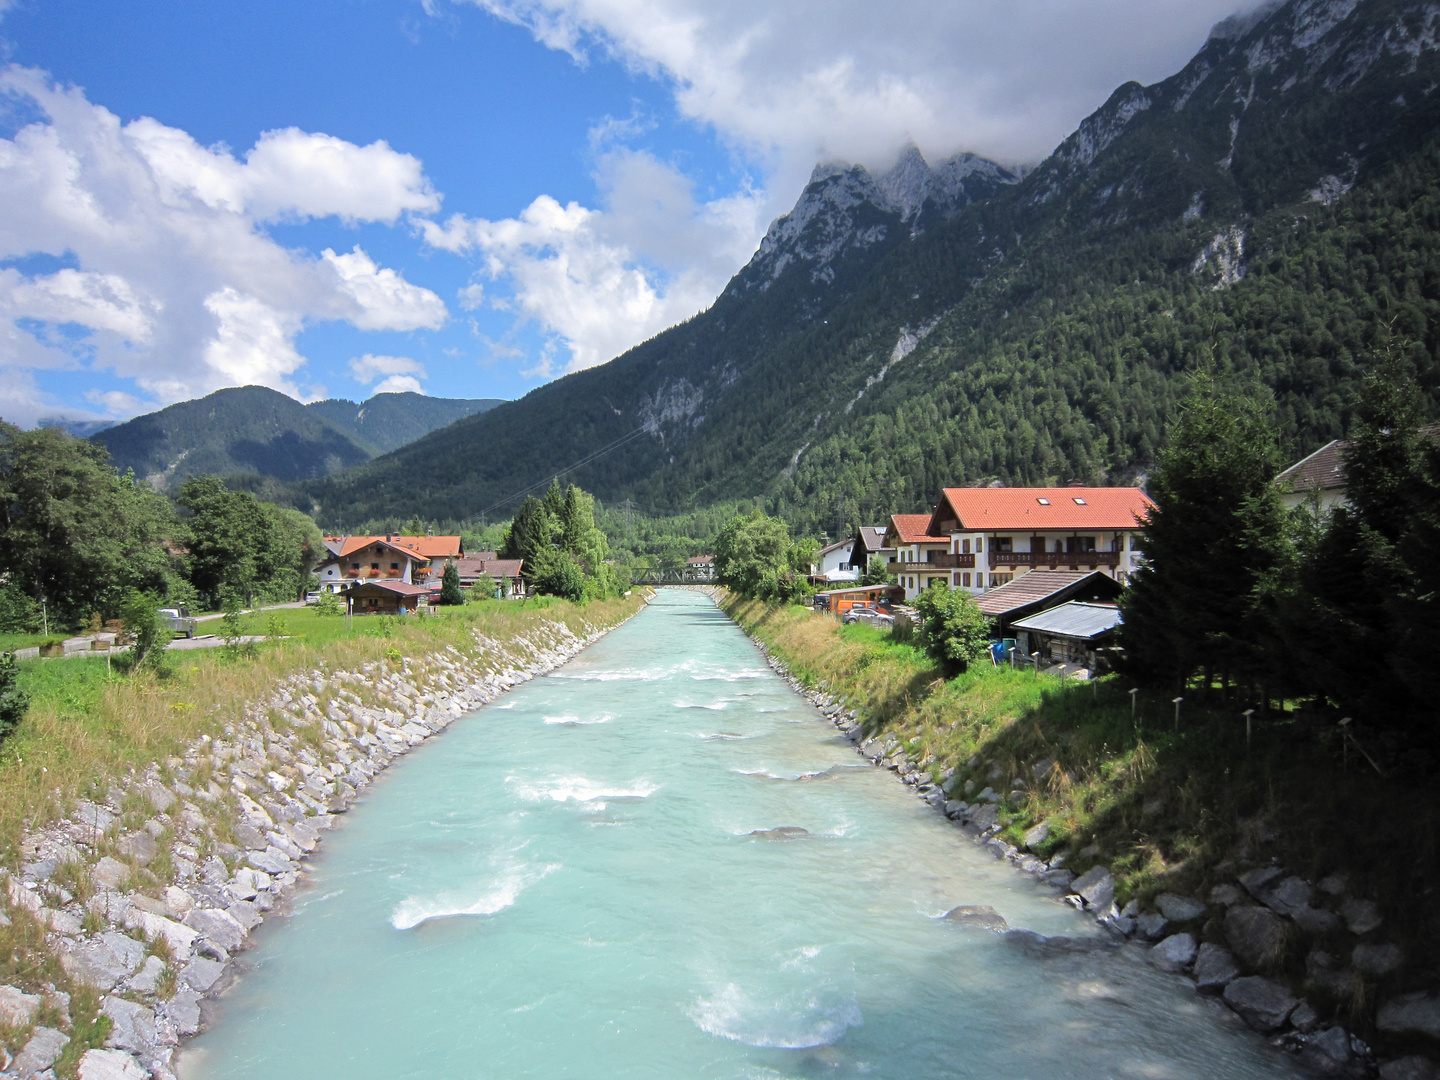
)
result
[(329, 605), (18, 613), (953, 629), (562, 577), (141, 615), (13, 700)]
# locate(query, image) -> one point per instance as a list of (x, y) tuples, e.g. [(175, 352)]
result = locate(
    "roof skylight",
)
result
[(1079, 501), (1042, 501)]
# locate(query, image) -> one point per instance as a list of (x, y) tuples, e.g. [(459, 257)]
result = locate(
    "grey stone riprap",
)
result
[(1215, 969), (1152, 925), (1377, 961), (1178, 908), (1255, 934), (270, 788), (1262, 1004), (1413, 1067), (40, 1052), (1175, 953), (1417, 1013), (1096, 887)]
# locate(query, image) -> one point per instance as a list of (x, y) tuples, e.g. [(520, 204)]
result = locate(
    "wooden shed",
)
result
[(384, 598)]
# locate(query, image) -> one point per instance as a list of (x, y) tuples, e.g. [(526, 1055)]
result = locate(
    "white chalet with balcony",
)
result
[(997, 534)]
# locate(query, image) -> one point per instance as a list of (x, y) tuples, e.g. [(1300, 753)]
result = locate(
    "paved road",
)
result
[(251, 611)]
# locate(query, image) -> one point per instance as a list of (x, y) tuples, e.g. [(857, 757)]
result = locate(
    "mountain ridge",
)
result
[(253, 431), (1041, 331)]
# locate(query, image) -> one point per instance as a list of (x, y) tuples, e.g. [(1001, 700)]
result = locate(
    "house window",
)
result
[(1079, 501), (1042, 501), (1003, 544), (964, 547), (374, 566), (979, 545), (1079, 543), (394, 566), (354, 566), (1001, 579), (965, 578)]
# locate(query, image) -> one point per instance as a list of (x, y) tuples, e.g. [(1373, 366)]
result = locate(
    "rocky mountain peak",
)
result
[(845, 207)]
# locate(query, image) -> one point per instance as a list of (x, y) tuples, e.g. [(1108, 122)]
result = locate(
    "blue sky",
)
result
[(466, 197)]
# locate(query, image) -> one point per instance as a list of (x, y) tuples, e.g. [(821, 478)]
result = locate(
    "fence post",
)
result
[(1134, 706), (1249, 715), (1177, 714)]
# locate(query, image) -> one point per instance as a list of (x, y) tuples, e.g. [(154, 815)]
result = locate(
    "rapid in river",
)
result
[(602, 875)]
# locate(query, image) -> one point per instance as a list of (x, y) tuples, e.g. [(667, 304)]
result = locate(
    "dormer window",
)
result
[(1043, 501), (1079, 501)]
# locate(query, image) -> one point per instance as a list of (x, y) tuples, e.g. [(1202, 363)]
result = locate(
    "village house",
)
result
[(363, 558), (870, 541), (997, 535), (832, 563), (920, 560), (505, 573), (1319, 475), (1072, 633), (392, 557)]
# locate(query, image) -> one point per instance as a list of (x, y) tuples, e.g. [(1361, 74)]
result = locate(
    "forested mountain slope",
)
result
[(256, 432), (1271, 211)]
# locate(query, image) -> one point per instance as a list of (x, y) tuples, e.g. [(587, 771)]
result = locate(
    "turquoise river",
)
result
[(565, 884)]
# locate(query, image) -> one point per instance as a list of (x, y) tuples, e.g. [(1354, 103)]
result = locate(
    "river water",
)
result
[(565, 885)]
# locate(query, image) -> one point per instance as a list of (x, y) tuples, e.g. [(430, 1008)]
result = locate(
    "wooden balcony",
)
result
[(939, 560), (1055, 560)]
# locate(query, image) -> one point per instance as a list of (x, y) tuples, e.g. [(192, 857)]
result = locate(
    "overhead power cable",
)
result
[(586, 460)]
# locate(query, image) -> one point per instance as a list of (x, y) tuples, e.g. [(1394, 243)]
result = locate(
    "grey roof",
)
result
[(1074, 620)]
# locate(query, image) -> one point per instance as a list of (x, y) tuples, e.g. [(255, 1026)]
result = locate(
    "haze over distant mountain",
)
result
[(258, 432), (1269, 212)]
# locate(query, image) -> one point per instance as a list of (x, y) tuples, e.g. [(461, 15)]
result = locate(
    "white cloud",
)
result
[(370, 367), (787, 86), (173, 278), (809, 80), (602, 280), (398, 384)]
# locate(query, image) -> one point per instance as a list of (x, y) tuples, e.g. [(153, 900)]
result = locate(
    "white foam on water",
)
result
[(715, 707), (578, 789), (504, 705), (769, 775), (723, 736), (815, 1017), (575, 721), (414, 910), (799, 956)]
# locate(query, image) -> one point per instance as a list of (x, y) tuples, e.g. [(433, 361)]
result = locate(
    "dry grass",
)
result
[(86, 730)]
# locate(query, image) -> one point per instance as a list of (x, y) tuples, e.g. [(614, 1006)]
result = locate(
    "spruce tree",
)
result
[(450, 592), (1214, 547)]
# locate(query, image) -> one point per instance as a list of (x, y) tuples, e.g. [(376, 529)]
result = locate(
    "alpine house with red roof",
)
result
[(996, 534)]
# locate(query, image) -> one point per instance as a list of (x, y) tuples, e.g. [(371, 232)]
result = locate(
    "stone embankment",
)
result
[(1262, 914), (143, 897)]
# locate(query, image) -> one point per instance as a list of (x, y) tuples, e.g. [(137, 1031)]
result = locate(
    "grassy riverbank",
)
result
[(88, 726), (1166, 808)]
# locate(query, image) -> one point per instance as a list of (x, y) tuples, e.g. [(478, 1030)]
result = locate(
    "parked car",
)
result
[(178, 620), (868, 613)]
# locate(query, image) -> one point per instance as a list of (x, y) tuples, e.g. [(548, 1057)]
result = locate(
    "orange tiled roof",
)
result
[(421, 547), (911, 529), (1020, 508)]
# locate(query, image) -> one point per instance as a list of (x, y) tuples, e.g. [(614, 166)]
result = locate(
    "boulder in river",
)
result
[(980, 916), (1175, 953), (1413, 1067), (784, 832), (1096, 887)]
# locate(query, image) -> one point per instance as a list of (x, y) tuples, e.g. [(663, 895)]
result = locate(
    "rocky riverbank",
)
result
[(1263, 913), (141, 898)]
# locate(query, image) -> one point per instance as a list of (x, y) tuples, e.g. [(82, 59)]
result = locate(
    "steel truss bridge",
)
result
[(684, 575)]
